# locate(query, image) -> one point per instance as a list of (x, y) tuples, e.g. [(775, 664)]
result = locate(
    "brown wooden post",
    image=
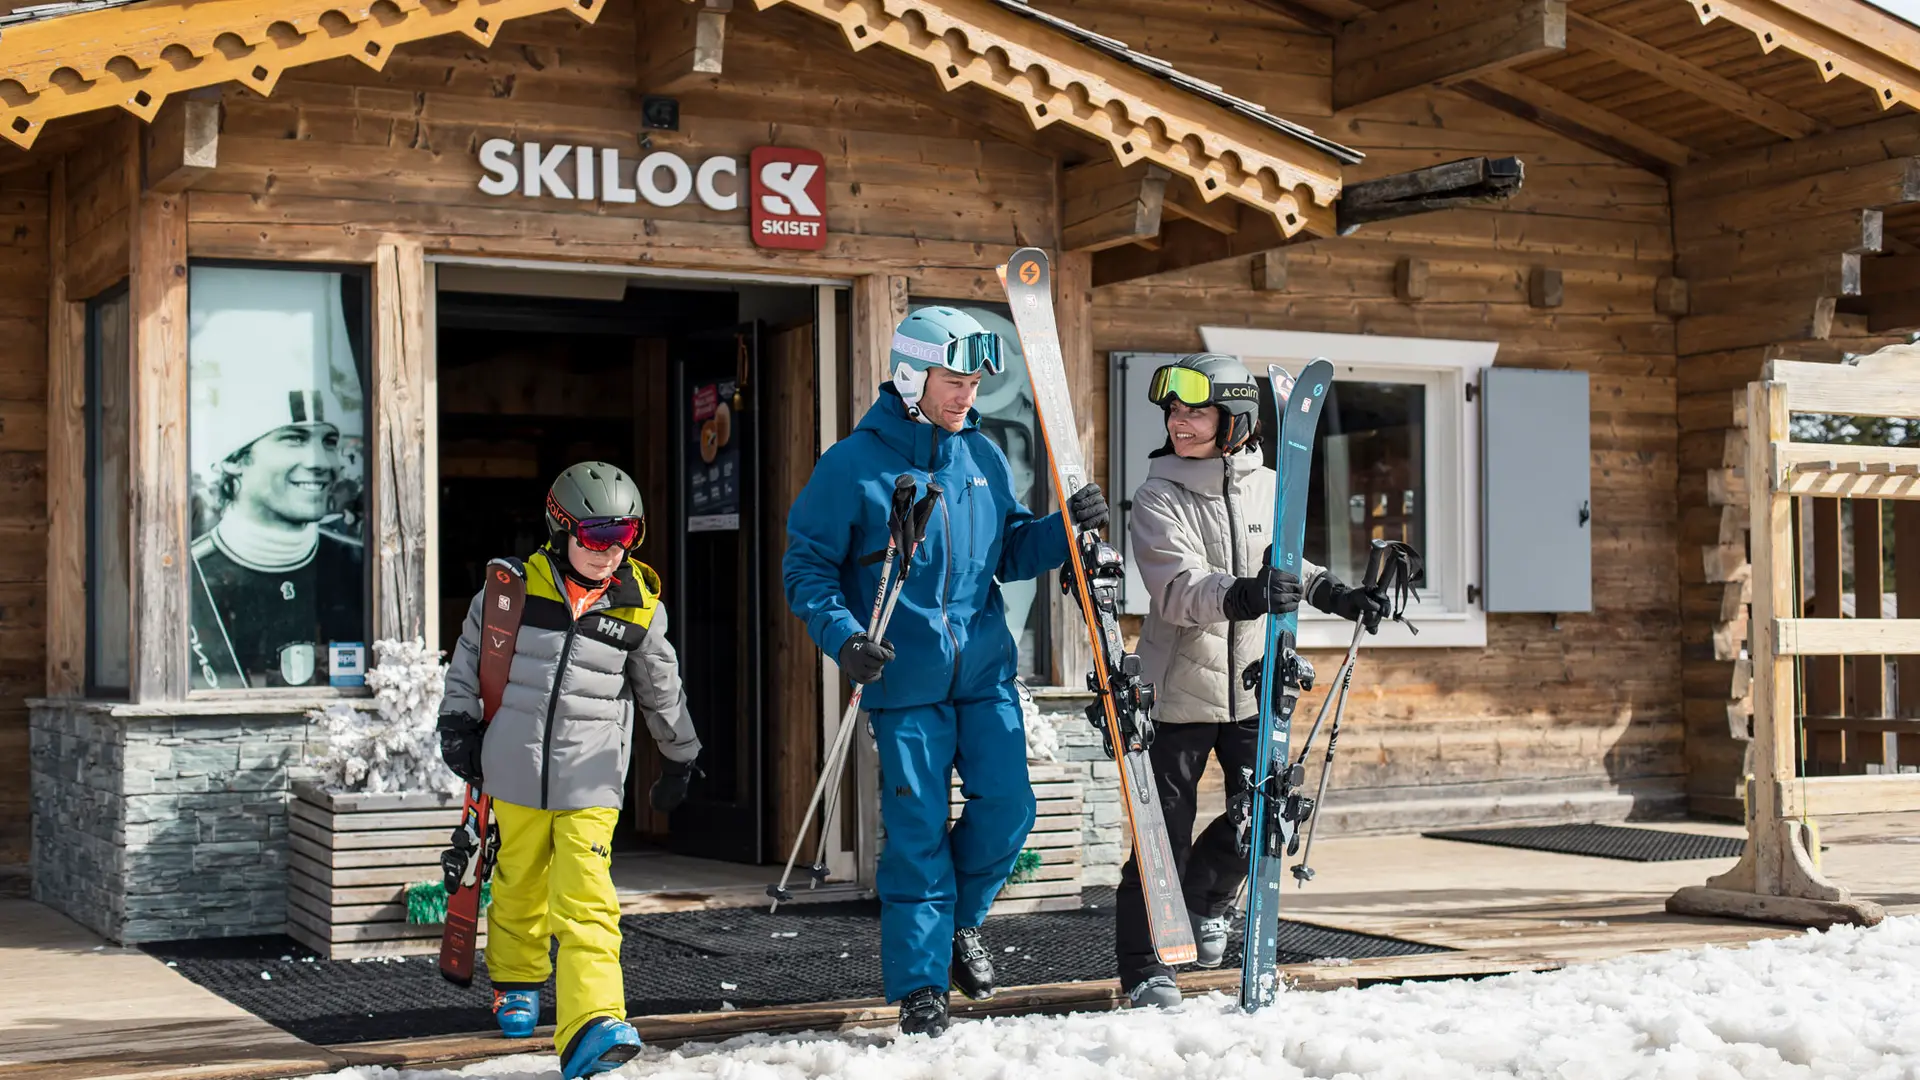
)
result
[(1073, 307), (879, 303), (158, 470), (1906, 584), (787, 414), (1869, 680), (66, 459), (1825, 695), (400, 405)]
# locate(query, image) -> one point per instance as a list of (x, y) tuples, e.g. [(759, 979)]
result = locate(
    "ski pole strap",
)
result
[(1392, 566), (921, 511)]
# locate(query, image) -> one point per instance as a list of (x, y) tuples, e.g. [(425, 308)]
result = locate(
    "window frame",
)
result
[(366, 326), (1451, 616), (91, 686)]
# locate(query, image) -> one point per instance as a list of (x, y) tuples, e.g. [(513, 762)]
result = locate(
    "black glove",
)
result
[(1087, 508), (1268, 592), (862, 658), (1336, 597), (670, 790), (460, 739)]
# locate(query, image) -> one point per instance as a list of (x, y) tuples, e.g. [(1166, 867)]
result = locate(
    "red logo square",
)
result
[(787, 197)]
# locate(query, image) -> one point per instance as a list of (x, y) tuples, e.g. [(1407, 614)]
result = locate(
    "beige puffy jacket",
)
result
[(1196, 525)]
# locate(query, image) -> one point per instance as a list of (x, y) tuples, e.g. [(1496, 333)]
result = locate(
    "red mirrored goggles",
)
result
[(601, 534)]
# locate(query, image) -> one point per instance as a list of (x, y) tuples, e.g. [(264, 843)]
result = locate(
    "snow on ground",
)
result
[(1837, 1004)]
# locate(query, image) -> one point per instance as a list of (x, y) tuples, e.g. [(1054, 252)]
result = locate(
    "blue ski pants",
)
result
[(933, 880)]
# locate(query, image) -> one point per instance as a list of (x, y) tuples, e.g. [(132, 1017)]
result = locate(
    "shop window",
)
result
[(276, 453), (1393, 459), (109, 426), (1007, 416)]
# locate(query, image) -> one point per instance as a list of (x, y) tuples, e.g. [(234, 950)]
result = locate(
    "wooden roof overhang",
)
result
[(135, 56)]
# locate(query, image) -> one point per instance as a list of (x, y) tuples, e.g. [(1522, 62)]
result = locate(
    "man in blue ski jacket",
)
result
[(949, 701)]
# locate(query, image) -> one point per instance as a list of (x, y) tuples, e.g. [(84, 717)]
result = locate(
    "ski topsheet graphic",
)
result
[(1274, 806), (469, 862), (1124, 706)]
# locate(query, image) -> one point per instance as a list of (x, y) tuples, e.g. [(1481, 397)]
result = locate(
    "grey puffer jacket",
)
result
[(1196, 525), (562, 735)]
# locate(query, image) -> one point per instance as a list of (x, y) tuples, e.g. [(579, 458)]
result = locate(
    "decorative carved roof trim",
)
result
[(1841, 37), (1139, 117), (136, 57)]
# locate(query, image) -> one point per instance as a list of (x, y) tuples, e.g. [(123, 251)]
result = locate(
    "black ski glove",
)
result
[(670, 790), (1268, 592), (1336, 597), (460, 739), (862, 658), (1088, 508)]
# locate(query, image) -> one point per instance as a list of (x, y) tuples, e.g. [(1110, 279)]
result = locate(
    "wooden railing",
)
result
[(1820, 701)]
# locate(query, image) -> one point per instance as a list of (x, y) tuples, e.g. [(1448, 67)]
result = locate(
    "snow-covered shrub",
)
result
[(393, 748), (1043, 739)]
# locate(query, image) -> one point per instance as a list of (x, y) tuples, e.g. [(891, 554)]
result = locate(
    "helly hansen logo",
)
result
[(614, 629), (1254, 527)]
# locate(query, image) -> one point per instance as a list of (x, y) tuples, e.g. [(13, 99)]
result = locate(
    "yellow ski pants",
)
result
[(554, 879)]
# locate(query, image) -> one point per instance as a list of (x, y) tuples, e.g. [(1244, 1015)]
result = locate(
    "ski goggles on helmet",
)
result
[(964, 355), (602, 534), (1173, 381)]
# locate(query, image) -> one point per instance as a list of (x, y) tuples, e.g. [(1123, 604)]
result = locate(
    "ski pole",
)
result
[(906, 527), (898, 512), (1391, 565), (916, 531)]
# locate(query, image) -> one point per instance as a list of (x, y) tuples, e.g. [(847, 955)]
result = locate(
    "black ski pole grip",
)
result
[(924, 510), (1376, 562)]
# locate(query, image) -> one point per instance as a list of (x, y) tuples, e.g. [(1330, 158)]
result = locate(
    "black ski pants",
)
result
[(1211, 870)]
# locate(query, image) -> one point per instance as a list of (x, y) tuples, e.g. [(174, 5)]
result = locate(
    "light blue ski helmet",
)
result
[(939, 337)]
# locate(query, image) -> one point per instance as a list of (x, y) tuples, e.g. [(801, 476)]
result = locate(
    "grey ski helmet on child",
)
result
[(939, 337), (597, 504), (1201, 379)]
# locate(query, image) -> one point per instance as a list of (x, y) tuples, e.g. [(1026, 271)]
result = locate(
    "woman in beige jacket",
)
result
[(1199, 527)]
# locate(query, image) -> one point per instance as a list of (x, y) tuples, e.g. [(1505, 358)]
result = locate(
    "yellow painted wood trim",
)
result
[(136, 57)]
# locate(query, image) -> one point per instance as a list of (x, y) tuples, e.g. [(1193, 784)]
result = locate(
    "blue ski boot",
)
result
[(518, 1012), (603, 1045)]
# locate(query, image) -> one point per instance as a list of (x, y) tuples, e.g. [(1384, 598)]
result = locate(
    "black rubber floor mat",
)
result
[(688, 961), (1603, 841)]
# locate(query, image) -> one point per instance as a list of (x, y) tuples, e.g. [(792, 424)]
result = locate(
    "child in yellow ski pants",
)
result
[(554, 879)]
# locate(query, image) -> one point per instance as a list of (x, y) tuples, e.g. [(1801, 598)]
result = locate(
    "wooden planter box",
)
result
[(350, 860), (1058, 835)]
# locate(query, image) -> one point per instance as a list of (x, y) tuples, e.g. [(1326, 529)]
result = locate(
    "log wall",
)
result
[(24, 309)]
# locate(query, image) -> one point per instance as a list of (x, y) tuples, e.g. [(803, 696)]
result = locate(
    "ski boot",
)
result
[(603, 1045), (1210, 939), (517, 1011), (1154, 992), (972, 965), (924, 1012)]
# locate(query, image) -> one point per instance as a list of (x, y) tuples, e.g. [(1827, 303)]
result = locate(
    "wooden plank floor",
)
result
[(1502, 910)]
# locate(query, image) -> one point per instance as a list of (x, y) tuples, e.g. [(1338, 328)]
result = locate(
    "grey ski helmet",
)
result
[(590, 492), (1199, 379)]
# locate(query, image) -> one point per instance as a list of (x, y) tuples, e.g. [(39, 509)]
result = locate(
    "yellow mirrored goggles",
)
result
[(1190, 386)]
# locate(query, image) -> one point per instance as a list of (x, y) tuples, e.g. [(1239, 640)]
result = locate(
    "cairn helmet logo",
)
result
[(1203, 379), (939, 337)]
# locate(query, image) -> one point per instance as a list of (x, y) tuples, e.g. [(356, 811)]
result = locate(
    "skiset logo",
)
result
[(786, 187)]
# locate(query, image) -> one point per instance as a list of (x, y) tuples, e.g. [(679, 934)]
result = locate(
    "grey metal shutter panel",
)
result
[(1536, 490), (1135, 429)]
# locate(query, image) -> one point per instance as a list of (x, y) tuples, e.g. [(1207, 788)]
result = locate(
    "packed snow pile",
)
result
[(1837, 1004), (395, 747)]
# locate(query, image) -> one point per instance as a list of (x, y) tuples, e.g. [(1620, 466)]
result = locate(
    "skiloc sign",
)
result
[(786, 187)]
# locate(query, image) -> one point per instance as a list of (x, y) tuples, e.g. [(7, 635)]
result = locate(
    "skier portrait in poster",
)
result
[(940, 690), (275, 444), (1198, 528)]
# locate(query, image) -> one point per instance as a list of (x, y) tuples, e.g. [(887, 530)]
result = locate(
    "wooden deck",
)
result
[(1501, 910)]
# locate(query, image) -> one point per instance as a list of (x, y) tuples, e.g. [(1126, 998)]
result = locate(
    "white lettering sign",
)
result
[(662, 178), (789, 182)]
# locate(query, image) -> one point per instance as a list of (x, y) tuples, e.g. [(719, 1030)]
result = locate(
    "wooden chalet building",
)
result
[(485, 238)]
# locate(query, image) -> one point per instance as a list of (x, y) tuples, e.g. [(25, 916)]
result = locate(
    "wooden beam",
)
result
[(66, 459), (1808, 320), (1423, 42), (1469, 182), (1791, 203), (879, 303), (1186, 244), (681, 45), (1850, 232), (1104, 205), (1410, 279), (183, 142), (1839, 796), (158, 297), (1182, 200), (1834, 636), (1578, 120), (1670, 296), (1841, 37), (1320, 16), (400, 405), (1845, 390), (1545, 288), (1270, 271), (1755, 108)]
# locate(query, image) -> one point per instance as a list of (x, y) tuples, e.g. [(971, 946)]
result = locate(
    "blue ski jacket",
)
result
[(949, 632)]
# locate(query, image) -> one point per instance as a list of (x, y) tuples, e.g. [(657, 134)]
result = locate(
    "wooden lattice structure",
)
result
[(1778, 879)]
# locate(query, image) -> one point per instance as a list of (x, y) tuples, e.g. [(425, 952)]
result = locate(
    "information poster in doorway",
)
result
[(713, 470)]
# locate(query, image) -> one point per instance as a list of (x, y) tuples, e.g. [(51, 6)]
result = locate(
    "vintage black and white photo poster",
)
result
[(277, 451)]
